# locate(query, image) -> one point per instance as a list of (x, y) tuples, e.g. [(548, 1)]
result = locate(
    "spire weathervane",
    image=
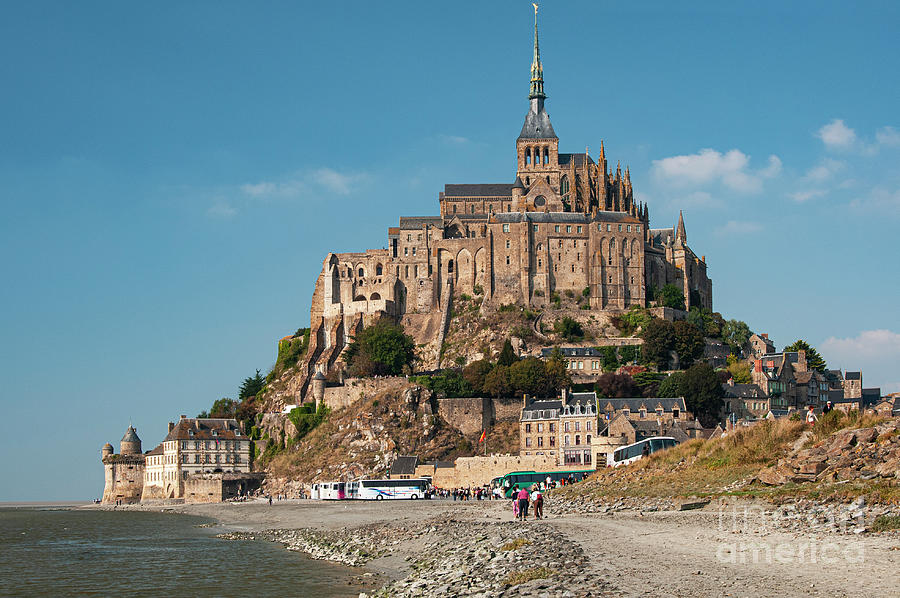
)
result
[(537, 71)]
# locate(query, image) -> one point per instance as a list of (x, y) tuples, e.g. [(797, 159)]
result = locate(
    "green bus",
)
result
[(511, 482)]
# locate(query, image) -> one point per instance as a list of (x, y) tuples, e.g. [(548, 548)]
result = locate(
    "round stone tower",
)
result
[(130, 444), (318, 389), (106, 451)]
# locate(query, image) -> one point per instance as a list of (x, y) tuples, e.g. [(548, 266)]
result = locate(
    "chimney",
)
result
[(183, 417), (765, 335), (563, 394), (524, 401), (171, 426)]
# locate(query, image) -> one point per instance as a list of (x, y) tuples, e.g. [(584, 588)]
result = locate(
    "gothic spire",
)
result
[(537, 71), (680, 234)]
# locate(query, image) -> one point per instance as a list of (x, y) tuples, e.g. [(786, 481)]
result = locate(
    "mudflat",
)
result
[(477, 548)]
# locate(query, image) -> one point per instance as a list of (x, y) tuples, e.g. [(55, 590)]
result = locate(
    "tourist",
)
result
[(537, 500), (523, 497), (827, 408), (811, 418), (646, 450)]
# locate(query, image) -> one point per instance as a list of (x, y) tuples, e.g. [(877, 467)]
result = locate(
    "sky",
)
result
[(173, 174)]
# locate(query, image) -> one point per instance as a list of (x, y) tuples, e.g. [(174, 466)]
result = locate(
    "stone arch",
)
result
[(481, 268), (359, 298), (465, 271), (361, 270), (379, 269), (564, 186), (455, 231), (375, 297)]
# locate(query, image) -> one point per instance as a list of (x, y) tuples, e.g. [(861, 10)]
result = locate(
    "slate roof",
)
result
[(565, 217), (537, 126), (415, 222), (743, 391), (577, 159), (634, 404), (195, 428), (157, 451), (870, 396), (853, 376), (571, 351), (835, 395), (479, 190), (534, 409), (404, 465), (130, 435)]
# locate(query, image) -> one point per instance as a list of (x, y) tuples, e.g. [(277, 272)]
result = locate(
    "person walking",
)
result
[(523, 503), (811, 418), (537, 501)]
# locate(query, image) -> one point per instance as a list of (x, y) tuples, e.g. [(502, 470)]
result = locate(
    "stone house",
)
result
[(577, 425), (194, 446), (852, 384), (639, 408), (745, 400), (539, 427), (565, 222), (760, 345), (404, 468)]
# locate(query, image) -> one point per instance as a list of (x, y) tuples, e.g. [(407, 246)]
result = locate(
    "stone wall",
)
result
[(124, 479), (355, 389), (203, 488), (472, 415), (476, 471)]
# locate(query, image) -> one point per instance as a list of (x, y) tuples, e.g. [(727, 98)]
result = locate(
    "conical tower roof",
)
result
[(130, 435)]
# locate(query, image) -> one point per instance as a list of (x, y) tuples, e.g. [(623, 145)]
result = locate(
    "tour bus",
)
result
[(524, 479), (388, 489), (329, 491), (633, 452)]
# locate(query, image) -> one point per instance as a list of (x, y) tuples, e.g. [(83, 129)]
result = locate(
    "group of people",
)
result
[(811, 418), (476, 493), (522, 498)]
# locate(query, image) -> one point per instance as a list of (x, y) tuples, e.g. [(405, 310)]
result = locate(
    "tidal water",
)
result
[(53, 552)]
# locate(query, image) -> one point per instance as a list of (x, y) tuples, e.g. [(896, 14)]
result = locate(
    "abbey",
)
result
[(566, 222)]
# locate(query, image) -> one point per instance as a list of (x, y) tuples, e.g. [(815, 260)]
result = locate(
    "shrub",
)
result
[(507, 307), (538, 293), (585, 307), (586, 292), (306, 418), (569, 329), (570, 293), (380, 349), (885, 523), (479, 290), (670, 296), (465, 297)]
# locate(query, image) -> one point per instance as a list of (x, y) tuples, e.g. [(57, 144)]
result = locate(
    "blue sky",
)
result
[(172, 175)]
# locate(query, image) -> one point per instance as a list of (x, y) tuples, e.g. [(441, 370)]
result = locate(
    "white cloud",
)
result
[(710, 166), (222, 210), (309, 183), (887, 136), (837, 135), (738, 227), (698, 199), (801, 196), (823, 171), (875, 352), (880, 199), (454, 139)]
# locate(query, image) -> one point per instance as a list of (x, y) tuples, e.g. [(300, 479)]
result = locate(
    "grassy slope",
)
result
[(728, 466)]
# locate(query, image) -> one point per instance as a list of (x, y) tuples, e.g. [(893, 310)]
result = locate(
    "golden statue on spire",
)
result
[(535, 7)]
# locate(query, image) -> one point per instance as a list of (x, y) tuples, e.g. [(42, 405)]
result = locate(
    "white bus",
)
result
[(387, 489), (329, 491), (633, 452)]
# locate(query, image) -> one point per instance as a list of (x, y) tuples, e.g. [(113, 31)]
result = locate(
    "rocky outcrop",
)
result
[(863, 453)]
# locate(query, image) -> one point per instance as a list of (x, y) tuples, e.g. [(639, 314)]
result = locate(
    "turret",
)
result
[(318, 389), (106, 451), (130, 444)]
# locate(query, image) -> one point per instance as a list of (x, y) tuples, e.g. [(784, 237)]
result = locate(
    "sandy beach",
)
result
[(463, 548)]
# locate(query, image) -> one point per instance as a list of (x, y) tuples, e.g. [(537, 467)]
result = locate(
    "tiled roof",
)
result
[(479, 190), (190, 428)]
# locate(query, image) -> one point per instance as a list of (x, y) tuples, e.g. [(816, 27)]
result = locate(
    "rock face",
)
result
[(864, 453), (364, 440)]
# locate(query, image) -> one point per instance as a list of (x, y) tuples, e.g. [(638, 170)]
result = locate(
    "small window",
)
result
[(406, 251), (507, 243), (535, 228), (506, 228), (414, 251), (527, 428), (620, 228), (507, 260), (528, 441), (579, 229), (556, 228), (628, 228), (608, 227), (361, 273), (568, 228)]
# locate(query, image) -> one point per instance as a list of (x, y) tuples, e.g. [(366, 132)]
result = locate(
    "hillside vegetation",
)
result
[(736, 464)]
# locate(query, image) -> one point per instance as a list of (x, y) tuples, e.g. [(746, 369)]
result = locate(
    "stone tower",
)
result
[(106, 451), (318, 389), (130, 443)]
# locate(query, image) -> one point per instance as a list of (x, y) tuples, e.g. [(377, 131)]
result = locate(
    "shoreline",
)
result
[(400, 548)]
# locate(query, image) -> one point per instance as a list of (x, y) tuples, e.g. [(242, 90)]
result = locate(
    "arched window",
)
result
[(450, 267), (361, 272), (378, 270), (349, 273), (548, 179), (473, 208), (547, 158), (528, 180), (375, 297), (564, 187)]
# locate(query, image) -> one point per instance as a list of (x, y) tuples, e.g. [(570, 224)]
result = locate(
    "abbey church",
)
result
[(564, 222)]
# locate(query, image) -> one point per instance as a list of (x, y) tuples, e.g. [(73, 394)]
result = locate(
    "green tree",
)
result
[(475, 374), (251, 386), (670, 296), (689, 343), (703, 393), (736, 334), (381, 349), (610, 359), (648, 383), (616, 386), (569, 329), (507, 356), (672, 386), (448, 383), (557, 373), (497, 382), (659, 340), (814, 361), (738, 369), (529, 376), (709, 322)]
